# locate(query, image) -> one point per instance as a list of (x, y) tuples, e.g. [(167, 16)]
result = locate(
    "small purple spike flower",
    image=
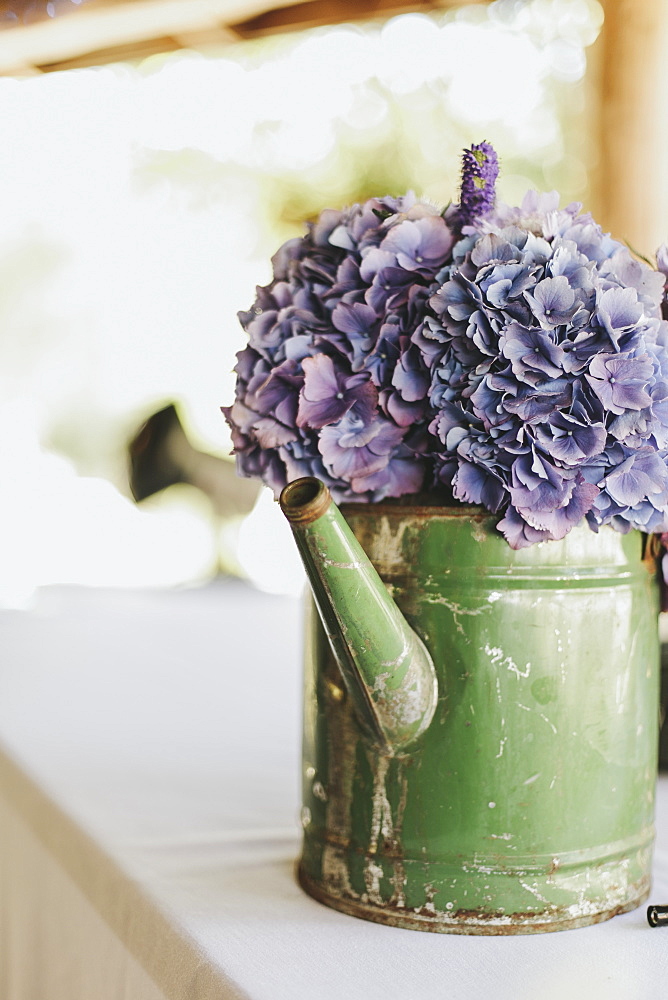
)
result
[(480, 168)]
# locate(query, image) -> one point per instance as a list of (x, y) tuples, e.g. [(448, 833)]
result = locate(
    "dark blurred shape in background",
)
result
[(160, 455)]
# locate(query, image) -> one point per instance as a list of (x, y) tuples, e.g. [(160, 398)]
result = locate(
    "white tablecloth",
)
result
[(149, 826)]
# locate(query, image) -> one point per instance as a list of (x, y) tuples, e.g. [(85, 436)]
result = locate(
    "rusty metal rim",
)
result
[(482, 926), (305, 500), (472, 512), (400, 509)]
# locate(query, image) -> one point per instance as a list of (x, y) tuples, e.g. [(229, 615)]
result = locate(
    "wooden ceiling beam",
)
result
[(314, 13), (98, 32), (129, 52)]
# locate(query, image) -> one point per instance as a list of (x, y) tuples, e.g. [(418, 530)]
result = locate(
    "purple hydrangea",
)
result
[(550, 391), (509, 357), (331, 383)]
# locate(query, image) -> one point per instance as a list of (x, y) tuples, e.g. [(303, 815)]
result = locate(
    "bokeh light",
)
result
[(140, 205)]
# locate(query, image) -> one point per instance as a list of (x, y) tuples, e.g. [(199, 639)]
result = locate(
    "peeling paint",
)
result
[(381, 816), (457, 609), (541, 715), (534, 891), (372, 875), (478, 530), (343, 737), (414, 701), (385, 833), (389, 542), (325, 561), (405, 650), (399, 878), (380, 683), (498, 658)]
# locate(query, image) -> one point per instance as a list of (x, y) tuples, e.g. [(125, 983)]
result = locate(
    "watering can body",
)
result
[(516, 793)]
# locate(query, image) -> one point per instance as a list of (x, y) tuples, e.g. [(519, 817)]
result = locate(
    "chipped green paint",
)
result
[(526, 804)]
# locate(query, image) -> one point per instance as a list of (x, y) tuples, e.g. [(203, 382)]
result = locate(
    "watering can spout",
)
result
[(387, 670)]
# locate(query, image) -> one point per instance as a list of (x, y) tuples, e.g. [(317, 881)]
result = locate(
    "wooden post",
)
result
[(631, 177)]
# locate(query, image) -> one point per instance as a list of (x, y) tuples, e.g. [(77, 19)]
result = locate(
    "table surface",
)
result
[(151, 741)]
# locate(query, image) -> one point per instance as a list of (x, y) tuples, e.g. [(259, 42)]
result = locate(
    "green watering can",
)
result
[(480, 739)]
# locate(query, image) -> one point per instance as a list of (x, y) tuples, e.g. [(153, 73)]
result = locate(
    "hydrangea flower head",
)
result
[(331, 383), (554, 368), (509, 357)]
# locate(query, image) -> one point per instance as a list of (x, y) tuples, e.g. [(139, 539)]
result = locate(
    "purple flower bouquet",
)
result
[(509, 357)]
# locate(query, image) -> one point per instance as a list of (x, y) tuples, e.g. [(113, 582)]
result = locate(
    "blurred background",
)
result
[(156, 153)]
